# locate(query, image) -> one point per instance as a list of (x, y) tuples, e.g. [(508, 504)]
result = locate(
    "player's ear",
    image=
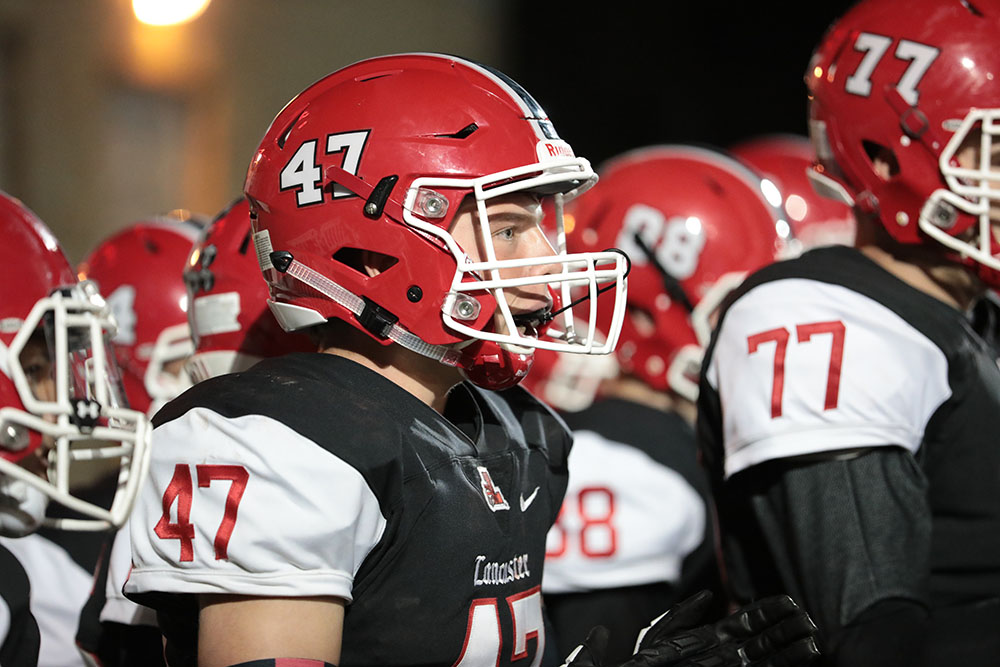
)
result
[(884, 161), (375, 262)]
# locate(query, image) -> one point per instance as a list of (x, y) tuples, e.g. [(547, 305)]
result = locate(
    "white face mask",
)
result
[(85, 418), (22, 507)]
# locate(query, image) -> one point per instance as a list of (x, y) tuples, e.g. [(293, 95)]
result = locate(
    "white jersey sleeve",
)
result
[(804, 367), (248, 506)]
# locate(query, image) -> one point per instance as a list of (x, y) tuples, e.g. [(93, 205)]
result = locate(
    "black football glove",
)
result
[(772, 632)]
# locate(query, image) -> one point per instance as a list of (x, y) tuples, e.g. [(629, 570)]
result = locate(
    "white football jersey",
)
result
[(634, 507), (217, 536), (804, 366)]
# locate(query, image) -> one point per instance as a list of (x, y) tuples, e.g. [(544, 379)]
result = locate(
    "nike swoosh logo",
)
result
[(526, 502)]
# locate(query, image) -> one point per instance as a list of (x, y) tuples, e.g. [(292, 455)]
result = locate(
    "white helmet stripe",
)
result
[(533, 111)]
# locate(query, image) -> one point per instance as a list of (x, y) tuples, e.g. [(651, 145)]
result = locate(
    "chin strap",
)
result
[(380, 322)]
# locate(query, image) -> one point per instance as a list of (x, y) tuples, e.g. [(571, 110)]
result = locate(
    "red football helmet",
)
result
[(694, 222), (784, 160), (915, 87), (62, 400), (231, 325), (139, 270), (377, 158), (569, 382)]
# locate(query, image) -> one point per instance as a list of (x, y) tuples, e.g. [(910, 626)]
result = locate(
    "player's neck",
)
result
[(922, 266), (947, 282), (427, 380)]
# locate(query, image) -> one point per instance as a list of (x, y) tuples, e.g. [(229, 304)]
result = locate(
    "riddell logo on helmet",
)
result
[(553, 149)]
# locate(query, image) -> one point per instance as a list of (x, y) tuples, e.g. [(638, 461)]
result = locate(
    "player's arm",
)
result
[(857, 532), (235, 629), (255, 528), (823, 399)]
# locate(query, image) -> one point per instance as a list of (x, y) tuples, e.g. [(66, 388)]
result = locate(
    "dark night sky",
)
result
[(669, 71)]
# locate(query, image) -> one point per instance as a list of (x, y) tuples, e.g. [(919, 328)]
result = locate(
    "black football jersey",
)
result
[(312, 475), (19, 638), (850, 423)]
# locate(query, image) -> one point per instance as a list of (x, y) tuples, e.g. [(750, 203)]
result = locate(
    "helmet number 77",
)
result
[(874, 47)]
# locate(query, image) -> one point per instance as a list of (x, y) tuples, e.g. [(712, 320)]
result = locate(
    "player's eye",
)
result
[(505, 234), (34, 371)]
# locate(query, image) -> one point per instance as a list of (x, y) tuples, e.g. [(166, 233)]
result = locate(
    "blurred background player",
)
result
[(231, 324), (140, 270), (634, 534), (848, 411), (62, 406), (231, 328), (784, 160)]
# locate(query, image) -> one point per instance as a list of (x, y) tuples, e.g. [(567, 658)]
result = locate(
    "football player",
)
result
[(62, 406), (784, 160), (633, 535), (364, 504), (140, 270), (848, 411), (231, 324)]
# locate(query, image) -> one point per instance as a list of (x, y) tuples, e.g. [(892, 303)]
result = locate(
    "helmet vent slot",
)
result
[(380, 75), (365, 262), (461, 134), (288, 130), (245, 243), (972, 8)]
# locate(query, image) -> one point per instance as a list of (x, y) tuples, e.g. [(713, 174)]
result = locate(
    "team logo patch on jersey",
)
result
[(494, 497)]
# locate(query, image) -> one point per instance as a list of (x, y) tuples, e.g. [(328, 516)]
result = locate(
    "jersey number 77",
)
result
[(804, 334)]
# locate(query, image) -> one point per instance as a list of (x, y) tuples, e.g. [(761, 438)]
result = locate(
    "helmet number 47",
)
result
[(302, 174)]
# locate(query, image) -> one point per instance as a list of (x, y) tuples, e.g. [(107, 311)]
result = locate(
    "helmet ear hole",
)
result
[(882, 159), (366, 262)]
